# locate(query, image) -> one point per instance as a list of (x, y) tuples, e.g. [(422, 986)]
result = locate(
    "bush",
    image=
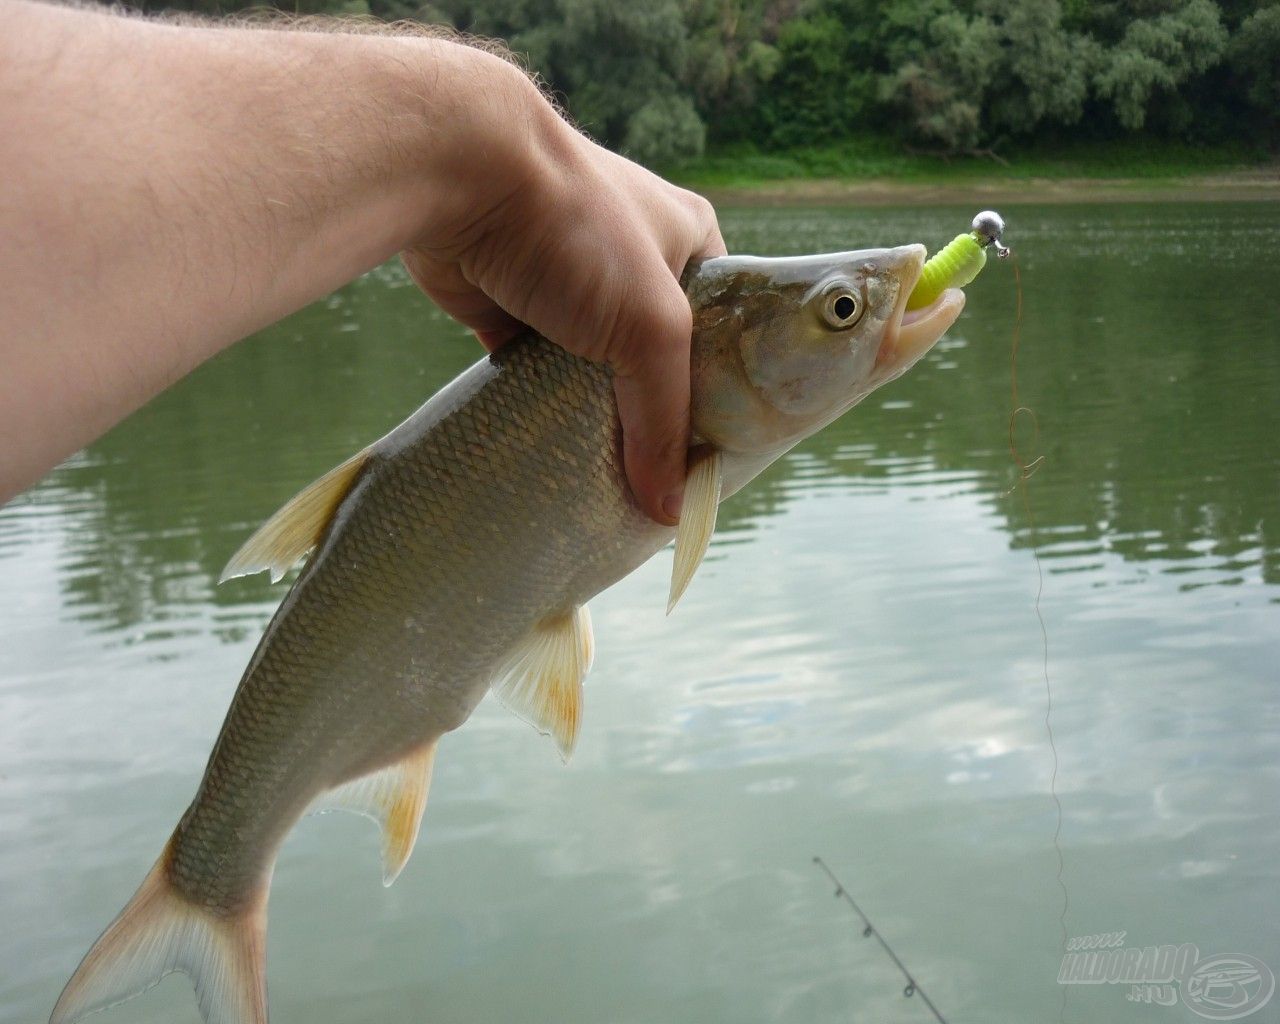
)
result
[(665, 131)]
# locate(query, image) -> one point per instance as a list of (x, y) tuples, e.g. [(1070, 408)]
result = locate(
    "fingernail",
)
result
[(671, 505)]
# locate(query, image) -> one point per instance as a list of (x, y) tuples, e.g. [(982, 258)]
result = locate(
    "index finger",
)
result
[(651, 382), (653, 386)]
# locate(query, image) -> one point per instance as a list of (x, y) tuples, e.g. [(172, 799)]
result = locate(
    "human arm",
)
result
[(170, 189)]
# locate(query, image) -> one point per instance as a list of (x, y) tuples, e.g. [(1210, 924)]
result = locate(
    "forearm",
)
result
[(169, 190)]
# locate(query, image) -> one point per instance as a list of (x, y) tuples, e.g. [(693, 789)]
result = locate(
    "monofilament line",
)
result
[(1025, 471)]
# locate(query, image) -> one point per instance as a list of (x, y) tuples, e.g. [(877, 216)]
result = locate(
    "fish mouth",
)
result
[(911, 333), (919, 329)]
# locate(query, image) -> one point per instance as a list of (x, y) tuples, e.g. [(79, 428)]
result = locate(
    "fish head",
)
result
[(783, 346)]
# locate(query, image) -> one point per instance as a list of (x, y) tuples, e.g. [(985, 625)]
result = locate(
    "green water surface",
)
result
[(856, 672)]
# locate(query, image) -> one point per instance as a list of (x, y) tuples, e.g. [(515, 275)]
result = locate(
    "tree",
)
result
[(731, 55), (940, 87), (665, 130), (819, 90), (1157, 55), (1254, 55), (656, 79), (1043, 72)]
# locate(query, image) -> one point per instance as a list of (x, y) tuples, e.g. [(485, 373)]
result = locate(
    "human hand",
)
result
[(586, 248), (282, 164)]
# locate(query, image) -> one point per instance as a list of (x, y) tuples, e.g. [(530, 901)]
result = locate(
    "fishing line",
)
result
[(868, 930), (1025, 471)]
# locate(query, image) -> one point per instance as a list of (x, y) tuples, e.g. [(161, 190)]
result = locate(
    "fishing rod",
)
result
[(868, 930)]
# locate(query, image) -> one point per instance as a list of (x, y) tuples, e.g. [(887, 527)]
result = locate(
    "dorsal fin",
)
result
[(542, 681), (697, 520), (394, 797), (298, 526)]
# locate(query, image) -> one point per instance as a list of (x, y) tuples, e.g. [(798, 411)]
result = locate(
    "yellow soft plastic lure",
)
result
[(960, 260)]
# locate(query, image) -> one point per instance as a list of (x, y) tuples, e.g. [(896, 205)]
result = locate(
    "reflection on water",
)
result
[(855, 672)]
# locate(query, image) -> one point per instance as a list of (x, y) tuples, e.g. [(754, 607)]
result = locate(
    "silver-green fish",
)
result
[(457, 555)]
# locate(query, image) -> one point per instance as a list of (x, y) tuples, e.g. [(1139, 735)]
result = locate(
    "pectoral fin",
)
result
[(394, 797), (542, 682), (697, 520), (298, 526)]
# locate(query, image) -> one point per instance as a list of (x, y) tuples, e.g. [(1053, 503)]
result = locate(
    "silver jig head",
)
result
[(988, 226)]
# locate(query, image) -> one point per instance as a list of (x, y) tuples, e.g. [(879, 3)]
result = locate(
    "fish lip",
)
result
[(913, 333), (912, 267)]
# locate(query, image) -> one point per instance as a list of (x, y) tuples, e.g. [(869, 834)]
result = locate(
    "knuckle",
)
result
[(705, 212), (699, 208), (653, 320), (677, 316)]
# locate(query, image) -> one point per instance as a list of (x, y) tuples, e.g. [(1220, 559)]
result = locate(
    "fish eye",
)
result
[(841, 308)]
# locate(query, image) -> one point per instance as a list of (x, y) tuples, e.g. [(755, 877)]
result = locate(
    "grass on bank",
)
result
[(744, 166)]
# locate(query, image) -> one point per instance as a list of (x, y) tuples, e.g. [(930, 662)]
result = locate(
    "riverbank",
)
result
[(878, 174), (1229, 187)]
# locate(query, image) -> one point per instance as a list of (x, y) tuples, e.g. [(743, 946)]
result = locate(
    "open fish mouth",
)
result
[(911, 333), (919, 329)]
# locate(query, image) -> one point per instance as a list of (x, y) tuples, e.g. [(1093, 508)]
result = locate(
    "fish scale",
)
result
[(425, 529)]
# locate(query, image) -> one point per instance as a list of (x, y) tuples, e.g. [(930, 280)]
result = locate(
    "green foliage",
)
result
[(1043, 74), (665, 130), (1004, 69), (942, 78), (613, 60), (660, 78), (1150, 164), (1254, 53), (619, 67), (729, 58), (815, 92), (1160, 53)]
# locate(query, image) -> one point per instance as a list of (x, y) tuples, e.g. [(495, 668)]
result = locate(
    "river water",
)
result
[(856, 672)]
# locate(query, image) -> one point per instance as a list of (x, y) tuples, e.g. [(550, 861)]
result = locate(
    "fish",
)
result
[(457, 556)]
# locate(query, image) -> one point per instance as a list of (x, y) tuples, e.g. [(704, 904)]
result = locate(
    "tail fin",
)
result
[(159, 932)]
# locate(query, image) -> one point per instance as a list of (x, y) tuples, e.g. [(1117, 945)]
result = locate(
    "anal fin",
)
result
[(542, 682), (394, 797), (697, 520), (297, 527)]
